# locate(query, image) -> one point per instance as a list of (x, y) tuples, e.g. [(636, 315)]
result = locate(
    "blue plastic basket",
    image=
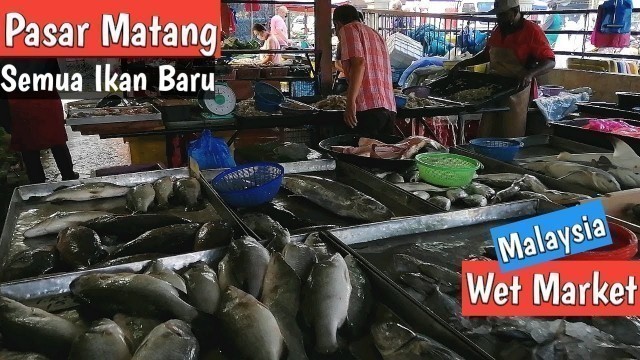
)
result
[(249, 185), (302, 88), (497, 148), (268, 98)]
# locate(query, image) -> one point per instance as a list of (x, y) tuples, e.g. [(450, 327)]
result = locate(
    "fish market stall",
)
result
[(423, 256), (337, 195), (341, 308), (73, 225)]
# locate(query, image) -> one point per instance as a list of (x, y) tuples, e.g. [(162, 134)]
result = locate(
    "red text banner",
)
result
[(109, 28), (555, 288)]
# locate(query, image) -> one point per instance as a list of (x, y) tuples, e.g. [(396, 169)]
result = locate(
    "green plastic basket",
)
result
[(445, 169)]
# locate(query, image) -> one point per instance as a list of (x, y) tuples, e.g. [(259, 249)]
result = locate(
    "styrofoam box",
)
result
[(403, 50)]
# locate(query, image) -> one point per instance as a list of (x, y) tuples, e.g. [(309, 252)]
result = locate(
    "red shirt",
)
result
[(359, 40), (528, 43)]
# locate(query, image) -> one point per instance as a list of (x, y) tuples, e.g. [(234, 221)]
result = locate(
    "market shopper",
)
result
[(553, 22), (278, 26), (371, 107), (37, 123), (270, 43), (516, 48)]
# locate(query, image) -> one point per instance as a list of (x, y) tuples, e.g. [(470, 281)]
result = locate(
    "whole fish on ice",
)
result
[(338, 198), (60, 221), (589, 177), (88, 191)]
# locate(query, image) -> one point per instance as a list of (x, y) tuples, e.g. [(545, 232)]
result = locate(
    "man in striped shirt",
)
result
[(371, 106)]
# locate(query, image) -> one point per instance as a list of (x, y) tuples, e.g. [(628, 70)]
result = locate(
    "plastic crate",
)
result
[(302, 88), (403, 50)]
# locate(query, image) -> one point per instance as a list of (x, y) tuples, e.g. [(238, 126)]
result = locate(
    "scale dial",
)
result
[(220, 102)]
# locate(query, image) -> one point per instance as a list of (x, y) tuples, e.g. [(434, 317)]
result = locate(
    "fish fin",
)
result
[(604, 161)]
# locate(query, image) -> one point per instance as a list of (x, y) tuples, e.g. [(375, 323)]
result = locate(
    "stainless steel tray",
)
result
[(23, 213), (52, 294), (463, 232), (545, 145), (295, 213), (493, 166), (107, 119)]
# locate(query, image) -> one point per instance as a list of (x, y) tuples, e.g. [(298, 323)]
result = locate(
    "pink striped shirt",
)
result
[(359, 40)]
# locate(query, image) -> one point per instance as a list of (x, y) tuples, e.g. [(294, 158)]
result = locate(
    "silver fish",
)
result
[(624, 329), (525, 195), (589, 177), (140, 197), (172, 239), (103, 340), (421, 186), (60, 221), (88, 191), (135, 328), (480, 189), (530, 182), (360, 299), (159, 271), (338, 198), (440, 274), (137, 294), (164, 191), (318, 246), (627, 178), (501, 180), (475, 200), (300, 257), (187, 191), (506, 194), (326, 301), (563, 198), (80, 247), (244, 266), (203, 288), (13, 355), (267, 229), (394, 178), (213, 235), (412, 176), (456, 194), (441, 202), (396, 342), (31, 329), (422, 195), (30, 263), (281, 295), (171, 340), (250, 326)]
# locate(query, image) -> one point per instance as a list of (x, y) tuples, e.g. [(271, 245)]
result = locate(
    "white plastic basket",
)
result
[(403, 50)]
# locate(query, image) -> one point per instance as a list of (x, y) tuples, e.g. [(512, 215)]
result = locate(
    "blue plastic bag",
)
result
[(616, 17), (210, 152)]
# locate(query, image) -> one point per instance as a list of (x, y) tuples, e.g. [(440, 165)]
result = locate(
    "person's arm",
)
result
[(480, 58), (356, 74), (540, 69)]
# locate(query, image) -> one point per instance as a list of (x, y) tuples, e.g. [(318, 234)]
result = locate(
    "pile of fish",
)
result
[(95, 240), (247, 108), (140, 199), (414, 102), (485, 189), (332, 102), (300, 301), (405, 149), (438, 287), (602, 173)]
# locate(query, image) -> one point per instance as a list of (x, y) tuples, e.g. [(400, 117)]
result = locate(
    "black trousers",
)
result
[(371, 123), (35, 171)]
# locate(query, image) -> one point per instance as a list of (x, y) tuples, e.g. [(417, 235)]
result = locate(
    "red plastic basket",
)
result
[(624, 247)]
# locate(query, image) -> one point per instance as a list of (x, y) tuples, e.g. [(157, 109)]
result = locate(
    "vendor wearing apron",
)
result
[(371, 106), (516, 48)]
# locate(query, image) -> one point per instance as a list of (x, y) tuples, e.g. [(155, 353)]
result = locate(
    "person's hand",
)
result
[(350, 115), (526, 81)]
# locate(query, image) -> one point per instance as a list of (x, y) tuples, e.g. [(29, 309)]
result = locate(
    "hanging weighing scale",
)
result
[(219, 104)]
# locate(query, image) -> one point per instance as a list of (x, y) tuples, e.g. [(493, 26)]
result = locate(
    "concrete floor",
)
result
[(88, 153)]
